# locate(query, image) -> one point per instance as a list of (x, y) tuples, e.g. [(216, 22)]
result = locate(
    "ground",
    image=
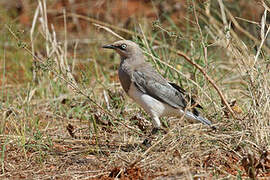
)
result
[(64, 114)]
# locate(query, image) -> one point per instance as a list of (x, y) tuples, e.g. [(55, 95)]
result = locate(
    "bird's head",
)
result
[(125, 48)]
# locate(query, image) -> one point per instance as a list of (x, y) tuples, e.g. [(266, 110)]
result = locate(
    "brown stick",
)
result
[(210, 80)]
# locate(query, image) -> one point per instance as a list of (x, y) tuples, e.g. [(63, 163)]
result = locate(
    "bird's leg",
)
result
[(156, 122), (147, 142), (155, 130)]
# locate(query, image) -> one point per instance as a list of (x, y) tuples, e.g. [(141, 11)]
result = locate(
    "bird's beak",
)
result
[(109, 46)]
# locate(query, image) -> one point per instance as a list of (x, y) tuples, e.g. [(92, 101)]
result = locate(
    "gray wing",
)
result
[(150, 82)]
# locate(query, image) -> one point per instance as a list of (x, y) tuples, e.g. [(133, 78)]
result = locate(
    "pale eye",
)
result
[(123, 46)]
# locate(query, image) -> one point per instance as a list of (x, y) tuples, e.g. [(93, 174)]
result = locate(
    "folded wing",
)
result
[(151, 83)]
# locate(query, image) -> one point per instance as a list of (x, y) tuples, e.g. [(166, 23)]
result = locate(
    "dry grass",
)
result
[(64, 114)]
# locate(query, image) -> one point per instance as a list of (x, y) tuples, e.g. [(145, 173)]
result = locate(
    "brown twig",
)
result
[(210, 80), (109, 30)]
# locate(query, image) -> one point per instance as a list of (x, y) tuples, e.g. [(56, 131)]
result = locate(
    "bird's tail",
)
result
[(205, 121)]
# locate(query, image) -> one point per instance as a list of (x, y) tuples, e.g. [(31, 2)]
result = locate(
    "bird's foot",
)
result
[(147, 142), (155, 131), (213, 128)]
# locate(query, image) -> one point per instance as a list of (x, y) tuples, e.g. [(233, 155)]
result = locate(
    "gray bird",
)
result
[(149, 89)]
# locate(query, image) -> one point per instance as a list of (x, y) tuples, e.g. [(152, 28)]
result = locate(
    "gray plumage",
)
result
[(149, 89)]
